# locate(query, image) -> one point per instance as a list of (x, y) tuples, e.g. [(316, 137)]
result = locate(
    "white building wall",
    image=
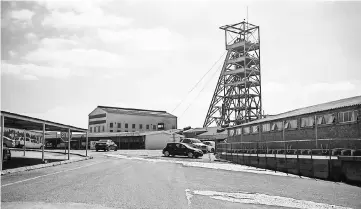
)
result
[(158, 141), (123, 119)]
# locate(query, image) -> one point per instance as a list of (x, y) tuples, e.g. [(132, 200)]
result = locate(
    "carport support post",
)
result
[(42, 147), (1, 138), (24, 141), (69, 144), (86, 144)]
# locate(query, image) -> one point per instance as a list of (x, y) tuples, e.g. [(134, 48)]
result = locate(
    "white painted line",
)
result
[(263, 199), (217, 166), (189, 196), (51, 174)]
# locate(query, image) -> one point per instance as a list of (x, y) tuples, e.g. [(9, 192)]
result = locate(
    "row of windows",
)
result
[(326, 119), (119, 125), (102, 129)]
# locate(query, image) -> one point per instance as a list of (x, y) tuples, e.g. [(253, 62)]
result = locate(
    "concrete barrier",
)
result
[(344, 169)]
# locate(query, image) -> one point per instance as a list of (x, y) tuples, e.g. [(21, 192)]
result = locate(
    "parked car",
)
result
[(7, 142), (6, 154), (106, 145), (196, 143), (183, 149), (29, 143), (211, 145)]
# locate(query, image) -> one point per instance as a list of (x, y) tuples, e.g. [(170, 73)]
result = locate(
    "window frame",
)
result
[(269, 127), (308, 126), (111, 125), (247, 128), (119, 125), (257, 131), (126, 125), (350, 121), (133, 126)]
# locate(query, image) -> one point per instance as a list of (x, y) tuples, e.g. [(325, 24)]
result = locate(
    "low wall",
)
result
[(346, 169)]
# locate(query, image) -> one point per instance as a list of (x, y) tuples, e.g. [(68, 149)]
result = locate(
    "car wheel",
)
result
[(166, 153), (212, 150), (190, 155)]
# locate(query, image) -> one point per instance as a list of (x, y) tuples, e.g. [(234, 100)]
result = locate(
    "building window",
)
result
[(91, 128), (277, 126), (254, 129), (119, 125), (291, 124), (103, 129), (111, 125), (349, 116), (98, 128), (111, 130), (154, 127), (118, 131), (126, 130), (161, 126), (231, 132), (147, 127), (238, 131), (246, 130), (266, 127), (308, 121), (140, 126), (133, 125)]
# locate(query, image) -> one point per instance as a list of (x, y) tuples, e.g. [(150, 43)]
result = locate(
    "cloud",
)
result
[(30, 77), (330, 87), (31, 36), (22, 15), (76, 58), (12, 53), (153, 39), (30, 71), (80, 15)]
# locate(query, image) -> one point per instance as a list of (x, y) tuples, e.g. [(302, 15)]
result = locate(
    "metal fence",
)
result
[(323, 147)]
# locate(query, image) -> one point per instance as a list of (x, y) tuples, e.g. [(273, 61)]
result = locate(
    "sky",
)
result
[(61, 59)]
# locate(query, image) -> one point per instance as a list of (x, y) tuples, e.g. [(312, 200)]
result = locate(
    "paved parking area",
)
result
[(33, 158), (157, 154)]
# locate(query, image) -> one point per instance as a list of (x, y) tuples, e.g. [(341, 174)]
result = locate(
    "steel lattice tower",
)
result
[(237, 97)]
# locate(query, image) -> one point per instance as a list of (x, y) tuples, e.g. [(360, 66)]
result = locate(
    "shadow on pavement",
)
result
[(17, 162)]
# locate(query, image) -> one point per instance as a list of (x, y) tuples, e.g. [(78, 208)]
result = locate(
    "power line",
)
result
[(220, 67), (198, 82)]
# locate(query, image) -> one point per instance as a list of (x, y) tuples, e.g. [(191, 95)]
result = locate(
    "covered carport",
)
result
[(26, 123)]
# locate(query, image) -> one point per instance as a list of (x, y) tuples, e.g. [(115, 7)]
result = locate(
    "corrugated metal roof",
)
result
[(132, 111), (352, 101)]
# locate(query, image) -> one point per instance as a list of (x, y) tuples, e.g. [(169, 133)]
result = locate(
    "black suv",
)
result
[(182, 149), (106, 145)]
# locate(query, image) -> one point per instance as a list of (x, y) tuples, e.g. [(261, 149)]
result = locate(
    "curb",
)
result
[(37, 150), (34, 167)]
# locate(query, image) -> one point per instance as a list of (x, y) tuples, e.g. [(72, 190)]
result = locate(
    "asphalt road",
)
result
[(108, 182)]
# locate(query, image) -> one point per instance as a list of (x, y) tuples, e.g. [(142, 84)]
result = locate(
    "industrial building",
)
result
[(116, 119), (335, 124)]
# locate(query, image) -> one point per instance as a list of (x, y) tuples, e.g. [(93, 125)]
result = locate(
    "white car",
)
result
[(196, 143), (211, 145), (30, 143)]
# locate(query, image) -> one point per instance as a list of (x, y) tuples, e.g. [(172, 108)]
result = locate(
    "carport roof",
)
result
[(13, 120)]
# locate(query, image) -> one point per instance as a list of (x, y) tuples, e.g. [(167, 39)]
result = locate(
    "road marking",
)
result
[(189, 196), (263, 199), (52, 174), (217, 166)]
